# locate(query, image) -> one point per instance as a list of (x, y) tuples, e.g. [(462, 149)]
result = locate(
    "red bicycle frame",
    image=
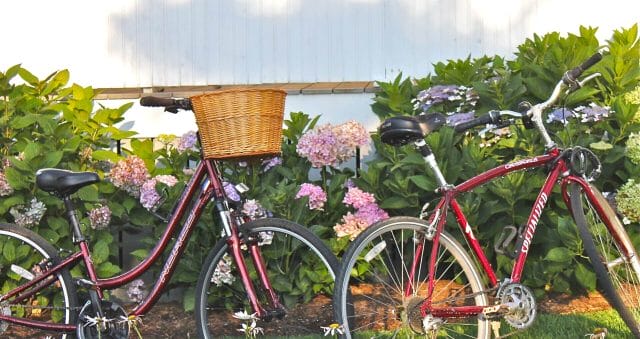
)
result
[(206, 184), (558, 174)]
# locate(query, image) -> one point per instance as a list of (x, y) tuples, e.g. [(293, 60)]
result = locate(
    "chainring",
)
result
[(521, 304), (113, 324)]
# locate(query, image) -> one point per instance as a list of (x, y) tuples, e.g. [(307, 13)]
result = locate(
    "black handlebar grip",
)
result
[(151, 101), (489, 118), (570, 77)]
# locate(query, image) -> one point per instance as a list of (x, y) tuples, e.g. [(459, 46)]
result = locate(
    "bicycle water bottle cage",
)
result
[(398, 131), (63, 183)]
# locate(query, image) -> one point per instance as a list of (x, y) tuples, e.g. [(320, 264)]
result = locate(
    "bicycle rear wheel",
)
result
[(24, 255), (370, 290), (301, 269), (611, 252)]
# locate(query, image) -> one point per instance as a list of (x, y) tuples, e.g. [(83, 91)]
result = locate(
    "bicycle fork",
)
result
[(247, 242)]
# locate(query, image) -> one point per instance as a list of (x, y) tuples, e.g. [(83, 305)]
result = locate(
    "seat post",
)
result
[(73, 219)]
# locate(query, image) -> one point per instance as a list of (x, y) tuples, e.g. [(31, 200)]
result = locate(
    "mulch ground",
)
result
[(168, 320)]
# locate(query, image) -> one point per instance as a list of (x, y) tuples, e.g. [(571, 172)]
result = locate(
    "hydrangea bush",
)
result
[(602, 116)]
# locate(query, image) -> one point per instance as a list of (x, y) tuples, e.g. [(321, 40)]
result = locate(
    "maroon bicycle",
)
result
[(244, 271), (427, 281)]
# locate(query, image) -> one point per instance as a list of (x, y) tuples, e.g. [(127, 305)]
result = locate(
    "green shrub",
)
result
[(399, 177)]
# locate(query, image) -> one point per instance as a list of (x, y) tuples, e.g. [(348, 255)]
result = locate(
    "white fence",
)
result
[(149, 43)]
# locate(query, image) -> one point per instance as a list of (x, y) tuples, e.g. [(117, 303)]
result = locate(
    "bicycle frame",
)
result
[(558, 174), (206, 184)]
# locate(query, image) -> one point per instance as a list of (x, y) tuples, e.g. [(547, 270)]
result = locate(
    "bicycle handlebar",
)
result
[(570, 76), (569, 79), (170, 104), (491, 117)]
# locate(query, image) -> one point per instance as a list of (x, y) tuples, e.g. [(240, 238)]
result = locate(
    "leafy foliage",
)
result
[(403, 182)]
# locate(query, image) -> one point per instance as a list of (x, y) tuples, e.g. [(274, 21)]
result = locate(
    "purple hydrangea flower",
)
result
[(271, 163), (560, 115), (136, 291), (231, 191), (187, 141), (459, 118), (149, 197), (593, 113)]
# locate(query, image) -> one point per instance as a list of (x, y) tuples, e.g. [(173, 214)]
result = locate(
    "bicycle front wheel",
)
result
[(611, 252), (300, 268), (382, 283), (25, 255)]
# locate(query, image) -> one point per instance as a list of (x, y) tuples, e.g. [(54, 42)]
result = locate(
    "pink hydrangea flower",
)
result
[(317, 196), (129, 174), (358, 198), (329, 145), (168, 180), (367, 213), (351, 226), (319, 147), (100, 217), (5, 188), (253, 209)]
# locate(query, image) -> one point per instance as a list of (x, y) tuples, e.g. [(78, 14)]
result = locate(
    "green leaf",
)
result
[(585, 276), (28, 77), (15, 178), (101, 155), (89, 193), (23, 121), (31, 151), (394, 203), (107, 269), (559, 254), (100, 252), (140, 254), (423, 182), (52, 159), (9, 251), (189, 300)]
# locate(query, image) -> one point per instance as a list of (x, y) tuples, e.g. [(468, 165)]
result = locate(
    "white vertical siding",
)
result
[(139, 43)]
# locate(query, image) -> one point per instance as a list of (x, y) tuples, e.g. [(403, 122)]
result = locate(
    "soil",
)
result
[(168, 320)]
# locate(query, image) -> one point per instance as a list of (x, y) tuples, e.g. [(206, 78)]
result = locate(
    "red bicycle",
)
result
[(38, 290), (426, 280)]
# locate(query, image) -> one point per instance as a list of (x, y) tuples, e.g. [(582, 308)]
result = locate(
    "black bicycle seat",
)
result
[(63, 182)]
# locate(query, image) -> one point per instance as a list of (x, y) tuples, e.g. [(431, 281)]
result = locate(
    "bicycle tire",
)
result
[(618, 278), (366, 301), (296, 284), (23, 250)]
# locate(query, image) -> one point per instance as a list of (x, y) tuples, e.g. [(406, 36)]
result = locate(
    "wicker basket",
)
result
[(240, 123)]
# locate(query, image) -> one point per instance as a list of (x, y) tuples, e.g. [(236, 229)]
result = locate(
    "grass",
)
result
[(554, 326), (546, 326)]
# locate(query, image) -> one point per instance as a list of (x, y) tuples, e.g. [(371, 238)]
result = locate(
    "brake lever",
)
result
[(580, 83)]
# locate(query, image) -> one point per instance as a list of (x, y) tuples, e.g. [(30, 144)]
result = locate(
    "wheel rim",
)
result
[(624, 272), (21, 257), (378, 300)]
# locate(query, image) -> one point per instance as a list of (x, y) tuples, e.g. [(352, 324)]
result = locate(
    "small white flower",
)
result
[(332, 329), (245, 316)]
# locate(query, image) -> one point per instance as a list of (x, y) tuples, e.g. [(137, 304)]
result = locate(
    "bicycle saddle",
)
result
[(63, 182), (398, 131)]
